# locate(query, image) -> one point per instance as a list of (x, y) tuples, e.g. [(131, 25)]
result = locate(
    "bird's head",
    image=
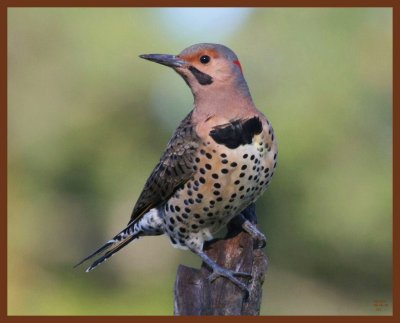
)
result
[(206, 68)]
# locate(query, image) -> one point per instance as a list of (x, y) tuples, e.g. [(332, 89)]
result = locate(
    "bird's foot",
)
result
[(257, 235), (218, 271), (230, 274)]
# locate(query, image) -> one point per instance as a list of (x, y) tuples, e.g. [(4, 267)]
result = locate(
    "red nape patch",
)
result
[(238, 64)]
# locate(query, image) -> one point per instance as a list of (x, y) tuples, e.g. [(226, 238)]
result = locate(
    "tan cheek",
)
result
[(222, 74)]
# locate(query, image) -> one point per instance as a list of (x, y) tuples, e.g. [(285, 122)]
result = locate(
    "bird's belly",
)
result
[(226, 182)]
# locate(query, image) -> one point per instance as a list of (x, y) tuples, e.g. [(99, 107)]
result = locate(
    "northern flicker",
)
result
[(220, 159)]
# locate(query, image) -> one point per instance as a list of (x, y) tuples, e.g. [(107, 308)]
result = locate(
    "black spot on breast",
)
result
[(202, 78), (236, 133)]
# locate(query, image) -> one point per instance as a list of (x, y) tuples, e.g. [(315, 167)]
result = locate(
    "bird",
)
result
[(219, 161)]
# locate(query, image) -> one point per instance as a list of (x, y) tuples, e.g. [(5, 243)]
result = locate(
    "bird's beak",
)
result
[(164, 59)]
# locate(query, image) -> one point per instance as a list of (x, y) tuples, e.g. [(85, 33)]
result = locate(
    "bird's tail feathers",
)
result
[(112, 246)]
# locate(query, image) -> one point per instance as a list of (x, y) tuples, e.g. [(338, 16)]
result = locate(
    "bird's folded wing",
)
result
[(173, 170)]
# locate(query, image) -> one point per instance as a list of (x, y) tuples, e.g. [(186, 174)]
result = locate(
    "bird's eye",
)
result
[(204, 59)]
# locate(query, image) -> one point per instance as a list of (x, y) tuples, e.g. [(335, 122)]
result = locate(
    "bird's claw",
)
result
[(260, 240), (230, 274), (256, 235)]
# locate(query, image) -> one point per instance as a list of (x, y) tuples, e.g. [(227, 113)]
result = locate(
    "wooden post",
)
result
[(195, 295)]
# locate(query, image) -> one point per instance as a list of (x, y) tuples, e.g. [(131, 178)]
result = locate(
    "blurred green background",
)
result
[(88, 120)]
